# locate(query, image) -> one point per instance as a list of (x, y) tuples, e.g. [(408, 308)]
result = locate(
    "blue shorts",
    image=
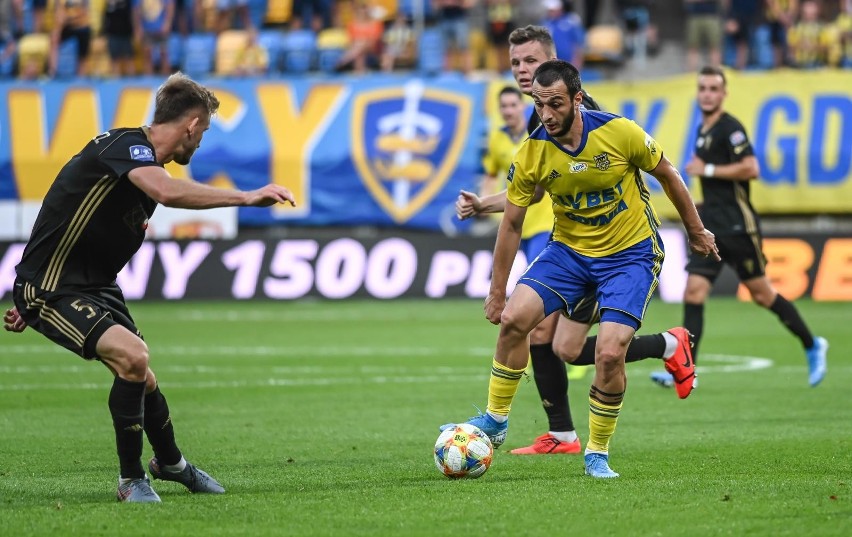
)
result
[(535, 245), (624, 281)]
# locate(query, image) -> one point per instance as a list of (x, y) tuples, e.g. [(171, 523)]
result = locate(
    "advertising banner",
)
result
[(338, 265)]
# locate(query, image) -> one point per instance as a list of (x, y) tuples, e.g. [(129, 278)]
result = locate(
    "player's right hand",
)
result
[(705, 244), (13, 322), (270, 195), (467, 205), (494, 306)]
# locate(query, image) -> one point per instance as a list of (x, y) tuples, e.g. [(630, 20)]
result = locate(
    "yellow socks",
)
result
[(603, 414), (502, 388)]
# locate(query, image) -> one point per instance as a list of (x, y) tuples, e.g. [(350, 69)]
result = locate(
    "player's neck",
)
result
[(572, 139), (708, 120)]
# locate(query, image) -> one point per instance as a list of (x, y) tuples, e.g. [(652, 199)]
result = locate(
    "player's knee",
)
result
[(567, 351), (132, 361), (512, 325), (609, 358)]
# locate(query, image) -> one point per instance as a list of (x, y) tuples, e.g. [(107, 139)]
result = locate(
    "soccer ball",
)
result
[(463, 450)]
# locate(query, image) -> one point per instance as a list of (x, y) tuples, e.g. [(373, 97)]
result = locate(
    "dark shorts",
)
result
[(120, 47), (74, 319), (742, 252), (83, 36)]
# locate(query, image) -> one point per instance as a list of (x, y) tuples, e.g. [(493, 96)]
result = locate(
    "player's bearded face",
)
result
[(191, 142), (555, 108)]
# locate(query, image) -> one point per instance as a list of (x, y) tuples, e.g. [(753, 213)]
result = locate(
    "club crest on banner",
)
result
[(406, 142)]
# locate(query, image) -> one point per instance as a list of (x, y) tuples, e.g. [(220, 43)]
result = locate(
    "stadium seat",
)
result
[(331, 45), (431, 52), (229, 46), (297, 51), (604, 44), (100, 64), (66, 59), (198, 52), (278, 12), (33, 50), (272, 41)]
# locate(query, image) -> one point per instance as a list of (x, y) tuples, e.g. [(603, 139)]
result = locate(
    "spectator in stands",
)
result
[(39, 8), (315, 14), (70, 21), (453, 18), (8, 45), (118, 29), (567, 31), (501, 22), (703, 33), (780, 16), (12, 17), (228, 10), (153, 26), (253, 59), (804, 38), (184, 16), (365, 40), (640, 33), (398, 43), (844, 27), (590, 12), (742, 18)]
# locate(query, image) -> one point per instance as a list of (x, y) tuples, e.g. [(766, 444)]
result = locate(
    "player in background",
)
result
[(93, 219), (560, 339), (605, 238), (725, 163)]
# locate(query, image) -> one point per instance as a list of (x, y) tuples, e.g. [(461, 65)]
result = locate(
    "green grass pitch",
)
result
[(319, 418)]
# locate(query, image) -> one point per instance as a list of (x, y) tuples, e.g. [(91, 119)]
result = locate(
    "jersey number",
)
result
[(84, 307)]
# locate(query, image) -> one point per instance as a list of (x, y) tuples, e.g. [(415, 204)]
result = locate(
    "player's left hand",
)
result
[(704, 243), (13, 322), (695, 166), (270, 195)]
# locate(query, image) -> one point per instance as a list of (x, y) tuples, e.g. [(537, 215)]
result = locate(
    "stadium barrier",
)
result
[(339, 264)]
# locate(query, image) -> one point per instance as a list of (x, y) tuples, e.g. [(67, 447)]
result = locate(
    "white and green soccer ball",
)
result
[(463, 450)]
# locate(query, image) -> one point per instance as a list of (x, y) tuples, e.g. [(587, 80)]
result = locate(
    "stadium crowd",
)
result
[(103, 38)]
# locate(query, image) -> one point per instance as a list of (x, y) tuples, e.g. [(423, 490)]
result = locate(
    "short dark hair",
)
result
[(713, 70), (511, 90), (552, 70), (528, 33), (179, 95)]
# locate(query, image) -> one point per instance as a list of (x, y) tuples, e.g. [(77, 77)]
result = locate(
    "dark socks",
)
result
[(693, 320), (158, 428), (126, 404), (640, 348), (789, 315), (551, 379)]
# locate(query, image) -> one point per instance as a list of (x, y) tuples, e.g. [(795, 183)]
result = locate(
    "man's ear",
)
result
[(193, 123)]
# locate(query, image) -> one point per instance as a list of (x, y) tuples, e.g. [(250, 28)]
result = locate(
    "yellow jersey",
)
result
[(600, 201), (501, 151)]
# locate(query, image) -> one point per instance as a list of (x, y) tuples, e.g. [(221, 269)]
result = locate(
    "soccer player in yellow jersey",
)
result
[(605, 237), (531, 46)]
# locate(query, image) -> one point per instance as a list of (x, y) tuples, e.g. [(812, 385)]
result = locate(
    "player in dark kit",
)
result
[(92, 221), (725, 163)]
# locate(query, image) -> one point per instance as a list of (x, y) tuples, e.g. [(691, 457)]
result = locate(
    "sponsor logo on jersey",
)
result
[(737, 137), (651, 144), (554, 175), (406, 141), (142, 153), (578, 167), (602, 162)]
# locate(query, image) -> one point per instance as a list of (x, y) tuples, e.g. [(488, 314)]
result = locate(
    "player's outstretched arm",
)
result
[(701, 240), (166, 190), (13, 322)]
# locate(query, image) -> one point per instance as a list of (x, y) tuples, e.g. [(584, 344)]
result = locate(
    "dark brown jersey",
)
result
[(93, 218)]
